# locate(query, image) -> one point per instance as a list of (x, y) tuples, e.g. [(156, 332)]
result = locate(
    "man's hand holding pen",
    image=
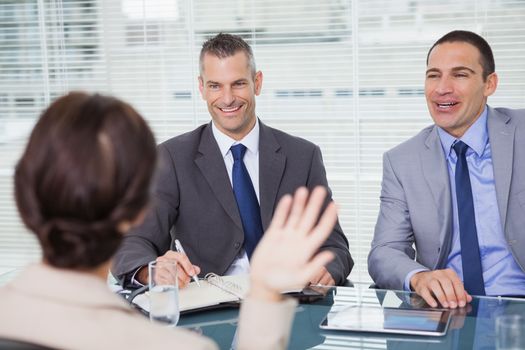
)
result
[(180, 249), (185, 272)]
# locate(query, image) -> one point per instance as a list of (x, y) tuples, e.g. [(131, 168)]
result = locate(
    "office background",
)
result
[(347, 75)]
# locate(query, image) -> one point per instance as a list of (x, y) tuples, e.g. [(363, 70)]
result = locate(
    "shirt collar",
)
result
[(251, 140), (475, 137)]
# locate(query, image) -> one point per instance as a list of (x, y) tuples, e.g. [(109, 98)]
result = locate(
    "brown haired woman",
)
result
[(82, 182)]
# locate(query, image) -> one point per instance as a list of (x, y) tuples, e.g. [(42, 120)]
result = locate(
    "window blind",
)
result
[(347, 75)]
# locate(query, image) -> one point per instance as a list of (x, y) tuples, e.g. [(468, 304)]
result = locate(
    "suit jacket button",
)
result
[(237, 245)]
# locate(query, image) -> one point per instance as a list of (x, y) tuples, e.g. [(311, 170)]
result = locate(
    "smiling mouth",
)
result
[(229, 109), (447, 105)]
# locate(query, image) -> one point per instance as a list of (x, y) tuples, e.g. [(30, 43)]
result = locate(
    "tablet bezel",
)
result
[(441, 329)]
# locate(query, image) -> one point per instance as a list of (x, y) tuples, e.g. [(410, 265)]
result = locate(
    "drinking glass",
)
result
[(163, 292)]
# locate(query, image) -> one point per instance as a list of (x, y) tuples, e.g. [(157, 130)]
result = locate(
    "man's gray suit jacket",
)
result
[(416, 203), (194, 202)]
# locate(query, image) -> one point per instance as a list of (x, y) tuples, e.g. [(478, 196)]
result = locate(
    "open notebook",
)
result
[(222, 291), (214, 290)]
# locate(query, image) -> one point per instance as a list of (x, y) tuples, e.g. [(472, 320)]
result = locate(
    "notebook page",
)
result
[(193, 296)]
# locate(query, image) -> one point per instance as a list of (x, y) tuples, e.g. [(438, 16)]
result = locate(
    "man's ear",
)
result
[(258, 82), (491, 84), (201, 86)]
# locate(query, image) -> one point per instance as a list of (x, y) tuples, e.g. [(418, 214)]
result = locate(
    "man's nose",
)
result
[(227, 96), (445, 86)]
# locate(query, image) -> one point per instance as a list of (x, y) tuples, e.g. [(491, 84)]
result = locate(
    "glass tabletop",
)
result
[(471, 327)]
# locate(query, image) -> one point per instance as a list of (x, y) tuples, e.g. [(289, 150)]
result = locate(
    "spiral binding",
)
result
[(227, 286)]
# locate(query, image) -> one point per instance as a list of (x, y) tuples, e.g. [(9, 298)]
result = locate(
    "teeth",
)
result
[(446, 105), (228, 110)]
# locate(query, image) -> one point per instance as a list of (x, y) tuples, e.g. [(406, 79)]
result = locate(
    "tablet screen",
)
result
[(389, 320)]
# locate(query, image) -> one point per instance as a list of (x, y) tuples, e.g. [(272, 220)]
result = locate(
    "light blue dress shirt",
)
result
[(501, 273)]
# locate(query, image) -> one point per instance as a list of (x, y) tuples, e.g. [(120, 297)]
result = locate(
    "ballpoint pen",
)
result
[(179, 248)]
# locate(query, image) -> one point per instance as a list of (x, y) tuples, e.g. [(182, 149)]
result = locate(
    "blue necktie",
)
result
[(470, 258), (246, 200)]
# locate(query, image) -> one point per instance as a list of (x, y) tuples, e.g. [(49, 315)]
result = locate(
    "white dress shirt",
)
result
[(241, 264)]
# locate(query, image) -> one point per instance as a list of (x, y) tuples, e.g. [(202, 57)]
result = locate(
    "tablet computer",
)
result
[(359, 318)]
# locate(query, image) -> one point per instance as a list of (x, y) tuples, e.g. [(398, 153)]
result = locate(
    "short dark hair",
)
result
[(226, 45), (485, 52), (87, 168)]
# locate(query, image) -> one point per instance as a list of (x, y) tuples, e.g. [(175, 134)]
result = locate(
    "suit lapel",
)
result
[(271, 169), (211, 163), (501, 136), (436, 175)]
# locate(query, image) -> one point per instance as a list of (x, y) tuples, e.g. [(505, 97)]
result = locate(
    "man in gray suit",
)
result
[(455, 191), (193, 199)]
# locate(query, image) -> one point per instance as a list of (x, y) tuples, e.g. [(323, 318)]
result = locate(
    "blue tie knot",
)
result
[(238, 151), (460, 148)]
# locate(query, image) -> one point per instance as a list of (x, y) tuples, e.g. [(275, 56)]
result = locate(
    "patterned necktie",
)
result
[(246, 201), (470, 258)]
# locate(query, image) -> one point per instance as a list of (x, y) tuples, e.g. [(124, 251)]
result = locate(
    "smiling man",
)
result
[(218, 185), (455, 191)]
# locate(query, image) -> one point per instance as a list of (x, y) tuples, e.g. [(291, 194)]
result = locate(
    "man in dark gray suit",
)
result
[(457, 189), (193, 199)]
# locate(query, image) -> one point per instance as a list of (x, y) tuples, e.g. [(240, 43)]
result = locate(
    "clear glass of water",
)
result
[(163, 292)]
